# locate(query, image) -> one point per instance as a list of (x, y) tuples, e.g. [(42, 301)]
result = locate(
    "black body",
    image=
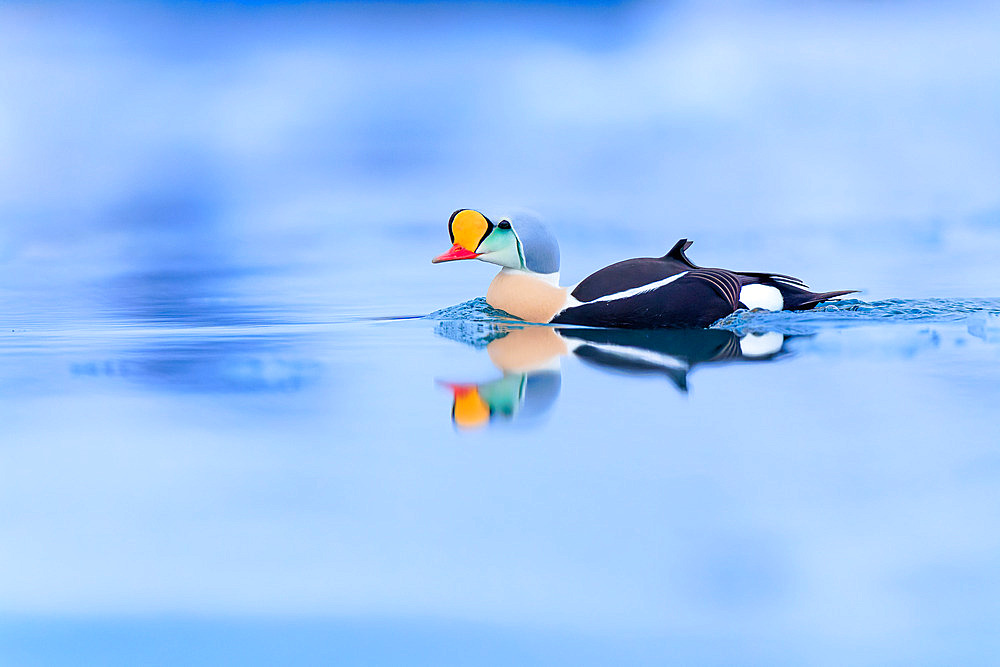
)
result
[(697, 299)]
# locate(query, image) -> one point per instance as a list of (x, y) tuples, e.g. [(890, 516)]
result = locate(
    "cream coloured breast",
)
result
[(525, 296)]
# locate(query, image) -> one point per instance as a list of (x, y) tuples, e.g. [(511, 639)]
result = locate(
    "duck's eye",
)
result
[(504, 224)]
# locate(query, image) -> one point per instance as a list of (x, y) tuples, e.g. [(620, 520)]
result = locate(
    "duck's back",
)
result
[(672, 291), (626, 275)]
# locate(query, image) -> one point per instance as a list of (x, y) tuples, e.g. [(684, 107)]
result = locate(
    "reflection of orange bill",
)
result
[(469, 410)]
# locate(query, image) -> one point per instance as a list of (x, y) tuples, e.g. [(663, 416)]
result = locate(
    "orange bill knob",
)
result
[(467, 229)]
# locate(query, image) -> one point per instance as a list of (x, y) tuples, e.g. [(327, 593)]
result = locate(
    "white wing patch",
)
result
[(761, 296), (635, 291)]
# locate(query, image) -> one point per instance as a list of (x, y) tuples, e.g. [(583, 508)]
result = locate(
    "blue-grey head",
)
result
[(517, 241)]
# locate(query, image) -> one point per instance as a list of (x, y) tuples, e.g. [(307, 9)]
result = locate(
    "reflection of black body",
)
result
[(672, 352)]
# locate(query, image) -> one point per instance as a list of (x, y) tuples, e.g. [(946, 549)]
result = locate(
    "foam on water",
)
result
[(473, 310), (473, 322)]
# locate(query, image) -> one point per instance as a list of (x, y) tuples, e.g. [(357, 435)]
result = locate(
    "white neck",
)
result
[(550, 278)]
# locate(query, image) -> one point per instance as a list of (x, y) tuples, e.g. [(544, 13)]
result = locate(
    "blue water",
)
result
[(245, 420)]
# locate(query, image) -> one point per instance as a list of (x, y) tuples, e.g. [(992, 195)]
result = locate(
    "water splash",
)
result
[(474, 310), (474, 323)]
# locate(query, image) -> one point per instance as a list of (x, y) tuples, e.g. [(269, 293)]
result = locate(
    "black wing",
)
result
[(726, 284), (633, 273)]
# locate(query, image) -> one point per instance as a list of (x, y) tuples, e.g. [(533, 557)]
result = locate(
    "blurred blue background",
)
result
[(841, 140), (211, 455)]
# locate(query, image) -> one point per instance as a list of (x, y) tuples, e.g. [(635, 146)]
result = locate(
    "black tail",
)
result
[(798, 298), (808, 300)]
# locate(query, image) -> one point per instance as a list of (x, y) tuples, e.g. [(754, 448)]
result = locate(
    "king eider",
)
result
[(642, 293)]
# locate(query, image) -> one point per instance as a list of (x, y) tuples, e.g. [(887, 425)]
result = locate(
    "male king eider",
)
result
[(643, 293)]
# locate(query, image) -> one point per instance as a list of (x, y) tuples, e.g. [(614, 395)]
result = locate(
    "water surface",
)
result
[(308, 489)]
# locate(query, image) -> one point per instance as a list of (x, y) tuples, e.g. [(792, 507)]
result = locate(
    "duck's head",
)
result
[(514, 241)]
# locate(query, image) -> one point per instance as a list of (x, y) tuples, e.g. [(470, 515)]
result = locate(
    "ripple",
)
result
[(854, 312)]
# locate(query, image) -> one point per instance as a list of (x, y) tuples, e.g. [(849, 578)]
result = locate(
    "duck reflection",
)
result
[(671, 353), (530, 357)]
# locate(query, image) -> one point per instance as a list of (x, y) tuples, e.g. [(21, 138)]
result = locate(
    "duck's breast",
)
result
[(525, 296)]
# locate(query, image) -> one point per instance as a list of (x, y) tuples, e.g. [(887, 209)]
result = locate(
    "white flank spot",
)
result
[(761, 345), (762, 296)]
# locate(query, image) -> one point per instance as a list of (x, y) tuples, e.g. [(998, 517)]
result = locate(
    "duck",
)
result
[(669, 291)]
